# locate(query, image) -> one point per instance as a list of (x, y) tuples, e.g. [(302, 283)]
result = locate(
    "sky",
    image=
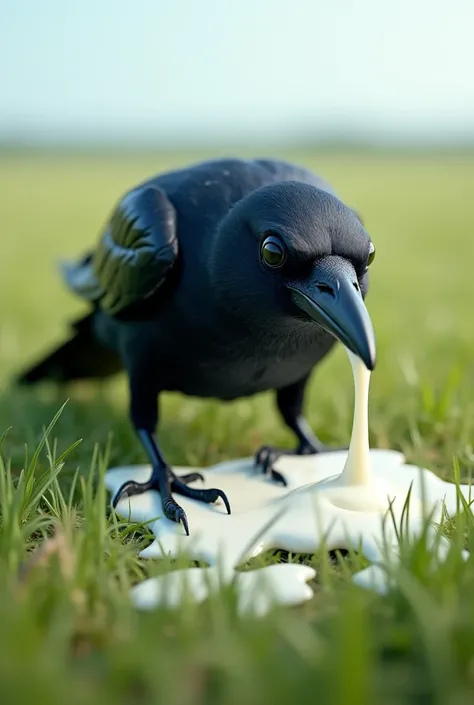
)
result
[(237, 70)]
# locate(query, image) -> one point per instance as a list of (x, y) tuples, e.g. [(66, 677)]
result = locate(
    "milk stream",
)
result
[(357, 468), (356, 489)]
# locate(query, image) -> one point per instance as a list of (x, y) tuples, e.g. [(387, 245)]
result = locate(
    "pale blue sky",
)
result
[(145, 70)]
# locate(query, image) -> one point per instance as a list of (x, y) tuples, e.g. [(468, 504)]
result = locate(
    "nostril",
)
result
[(325, 289), (356, 286)]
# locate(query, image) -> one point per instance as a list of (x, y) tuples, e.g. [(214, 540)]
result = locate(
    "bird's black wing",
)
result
[(135, 254)]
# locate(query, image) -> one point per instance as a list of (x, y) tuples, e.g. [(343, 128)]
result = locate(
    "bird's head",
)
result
[(295, 254)]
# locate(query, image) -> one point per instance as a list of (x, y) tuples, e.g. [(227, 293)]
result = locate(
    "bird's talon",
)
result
[(213, 495), (278, 477), (223, 496), (174, 512), (180, 516)]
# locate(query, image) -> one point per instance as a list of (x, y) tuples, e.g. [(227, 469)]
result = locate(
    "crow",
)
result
[(220, 280)]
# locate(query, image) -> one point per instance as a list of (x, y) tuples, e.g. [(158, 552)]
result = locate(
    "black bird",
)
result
[(221, 280)]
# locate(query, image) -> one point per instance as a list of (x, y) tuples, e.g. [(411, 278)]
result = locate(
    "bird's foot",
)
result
[(171, 509), (179, 485), (266, 457)]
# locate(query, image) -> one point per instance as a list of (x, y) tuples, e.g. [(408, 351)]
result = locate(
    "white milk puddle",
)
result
[(338, 500)]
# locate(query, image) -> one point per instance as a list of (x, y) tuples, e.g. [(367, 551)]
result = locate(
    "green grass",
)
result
[(67, 631)]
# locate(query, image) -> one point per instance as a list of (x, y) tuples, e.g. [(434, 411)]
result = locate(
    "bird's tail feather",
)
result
[(79, 358)]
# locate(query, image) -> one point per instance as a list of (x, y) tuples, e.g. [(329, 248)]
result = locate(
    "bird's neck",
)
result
[(278, 336)]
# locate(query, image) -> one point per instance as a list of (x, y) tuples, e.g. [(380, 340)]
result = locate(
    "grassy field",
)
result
[(67, 630)]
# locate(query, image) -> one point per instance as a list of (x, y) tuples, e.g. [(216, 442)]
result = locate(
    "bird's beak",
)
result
[(331, 297)]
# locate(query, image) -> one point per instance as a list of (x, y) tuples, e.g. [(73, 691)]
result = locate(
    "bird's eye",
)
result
[(371, 254), (273, 252)]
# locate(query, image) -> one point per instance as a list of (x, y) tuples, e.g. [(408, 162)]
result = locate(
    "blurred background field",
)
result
[(378, 98)]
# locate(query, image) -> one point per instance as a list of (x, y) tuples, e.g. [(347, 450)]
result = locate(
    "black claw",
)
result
[(208, 496), (174, 512), (212, 495), (129, 489), (265, 459), (180, 516), (223, 496), (278, 477)]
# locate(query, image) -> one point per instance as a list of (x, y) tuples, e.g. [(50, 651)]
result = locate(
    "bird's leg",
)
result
[(144, 414), (290, 405)]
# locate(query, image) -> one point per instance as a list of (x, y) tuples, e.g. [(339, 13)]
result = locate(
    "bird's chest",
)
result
[(243, 366)]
